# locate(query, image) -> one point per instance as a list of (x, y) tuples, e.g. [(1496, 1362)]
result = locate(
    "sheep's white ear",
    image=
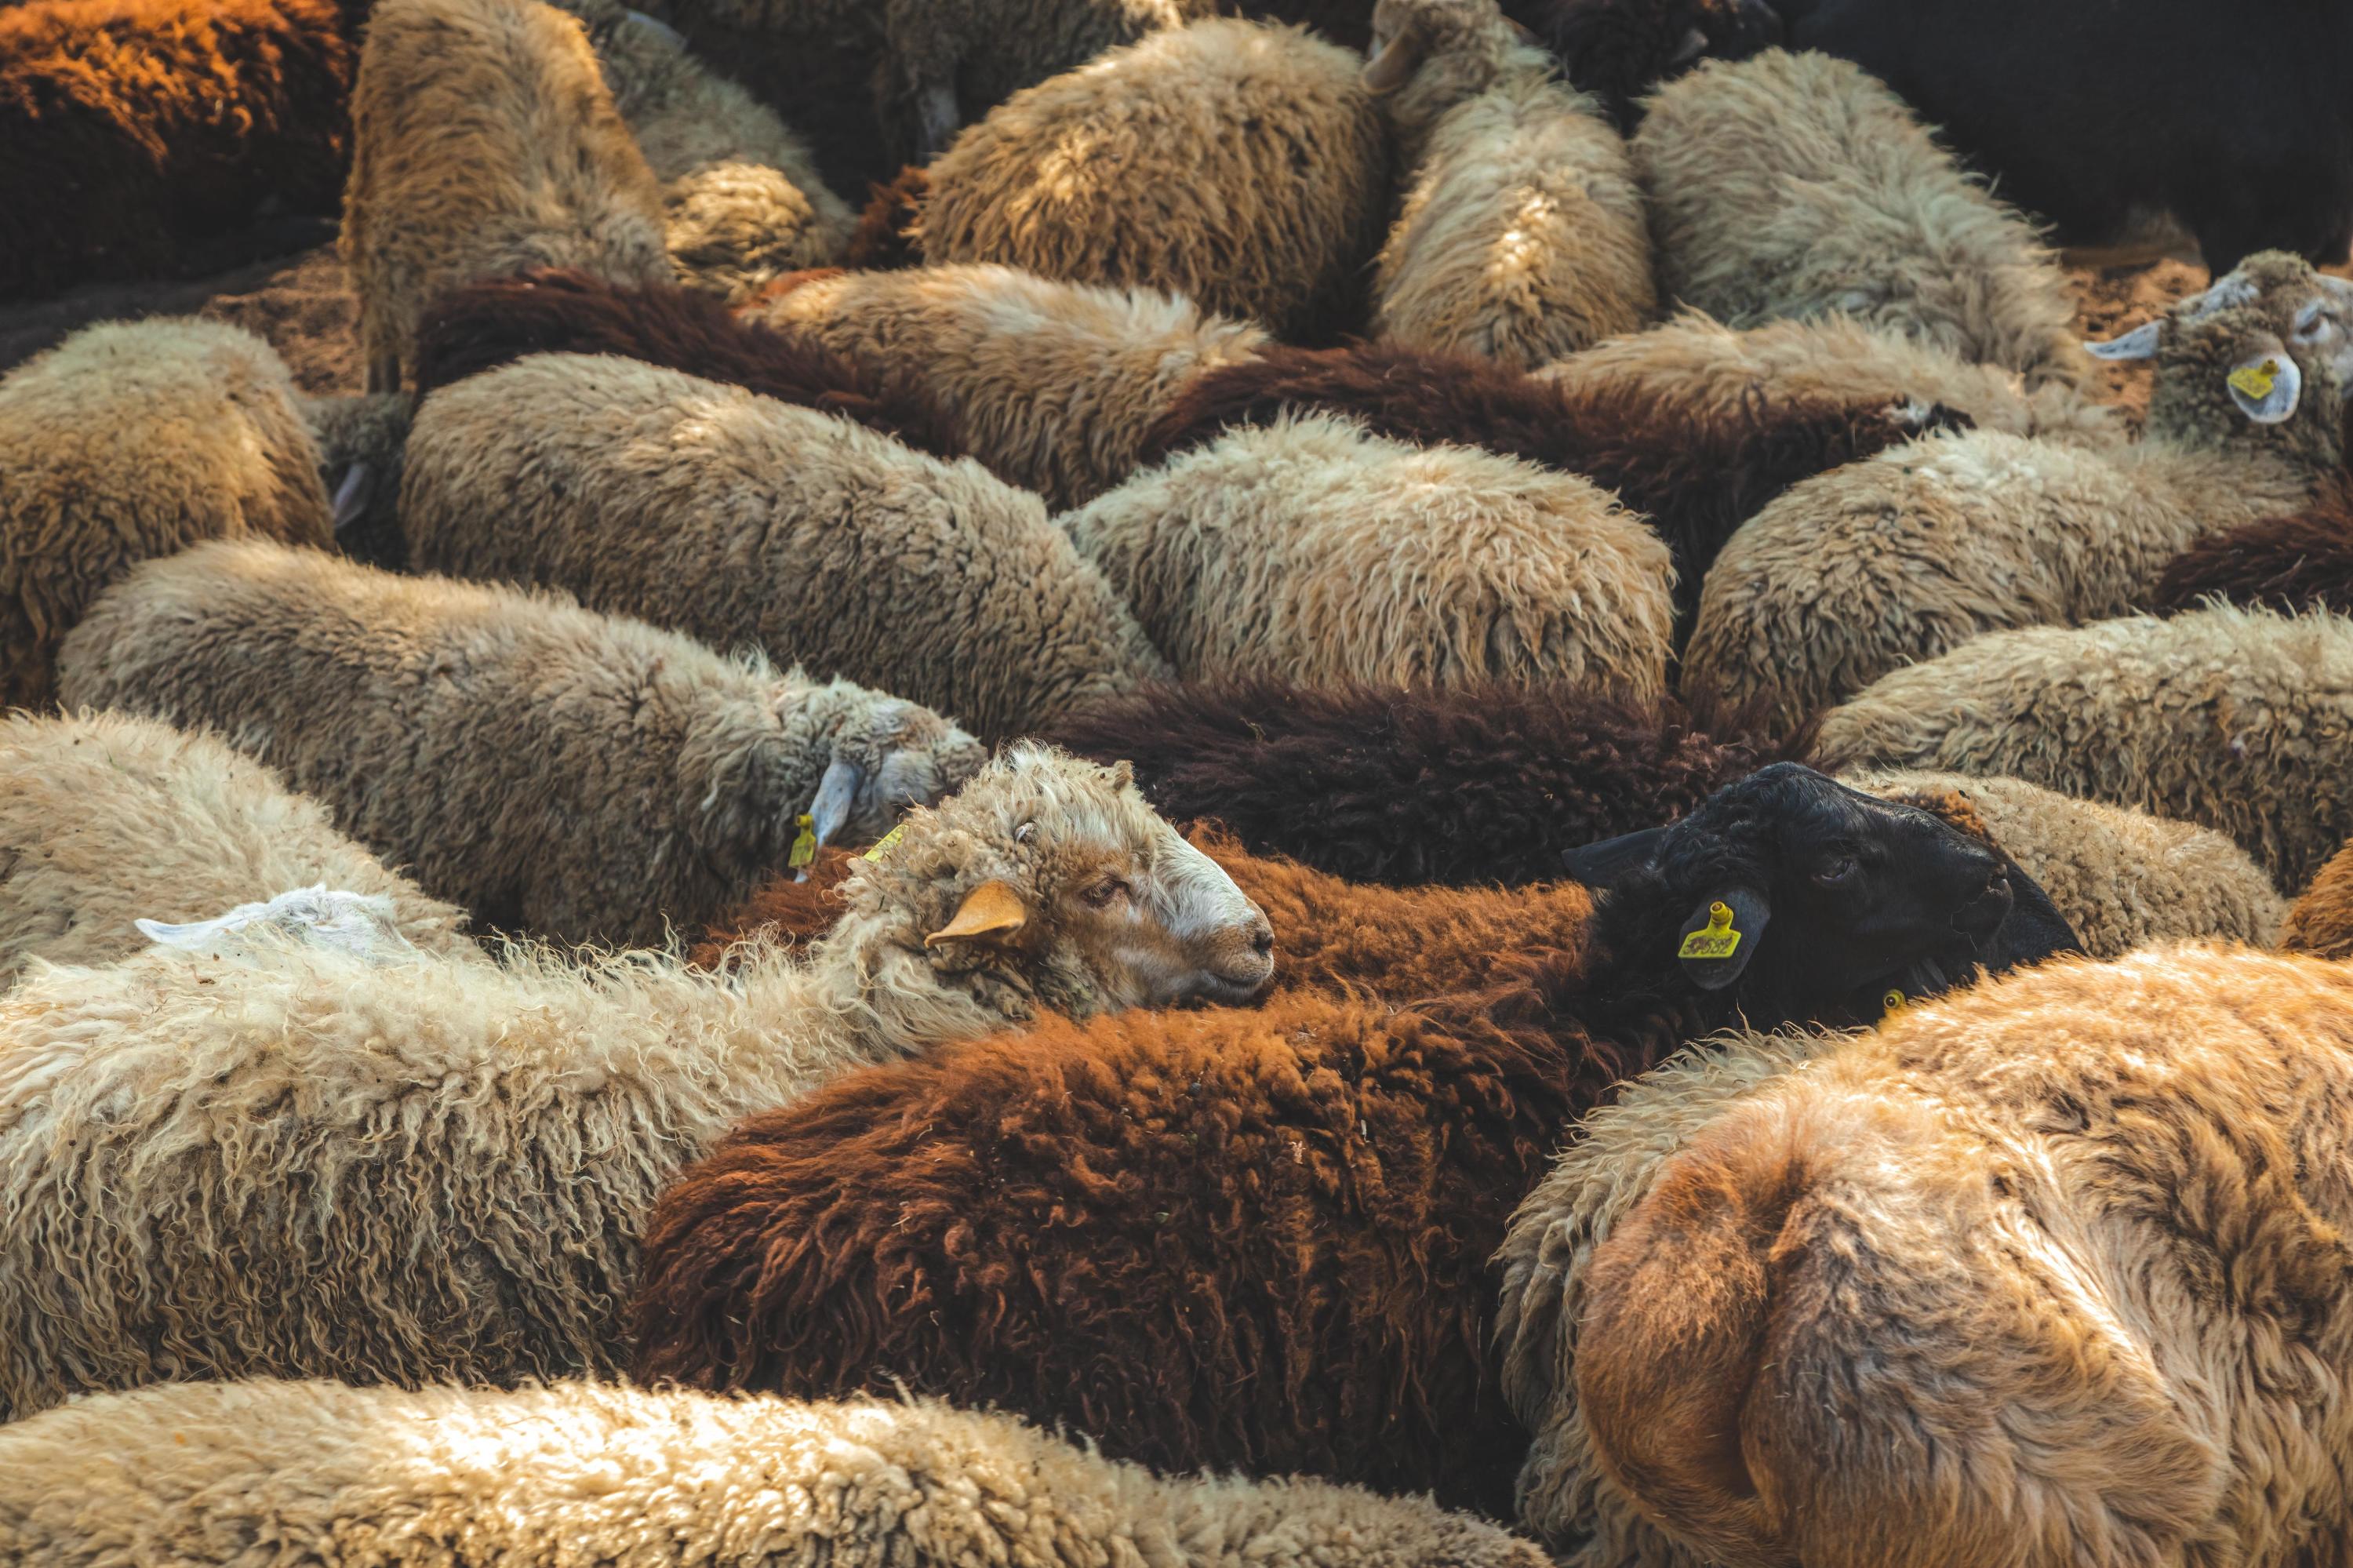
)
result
[(837, 792), (1693, 45), (2138, 343), (991, 910), (2266, 388), (1395, 65), (351, 497)]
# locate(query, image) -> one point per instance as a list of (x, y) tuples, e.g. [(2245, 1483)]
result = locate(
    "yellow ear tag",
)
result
[(1719, 940), (804, 845), (887, 843), (2255, 381), (1892, 1004)]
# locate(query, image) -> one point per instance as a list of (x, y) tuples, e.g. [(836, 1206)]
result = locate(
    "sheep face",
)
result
[(893, 756), (1427, 56)]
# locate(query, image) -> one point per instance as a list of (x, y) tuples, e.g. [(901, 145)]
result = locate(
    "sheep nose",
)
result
[(1262, 940)]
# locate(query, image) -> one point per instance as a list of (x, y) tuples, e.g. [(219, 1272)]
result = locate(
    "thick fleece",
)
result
[(2321, 922), (578, 777), (2297, 561)]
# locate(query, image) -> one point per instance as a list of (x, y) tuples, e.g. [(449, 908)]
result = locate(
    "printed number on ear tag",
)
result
[(1892, 1004), (2255, 381), (805, 844), (1716, 940), (887, 843)]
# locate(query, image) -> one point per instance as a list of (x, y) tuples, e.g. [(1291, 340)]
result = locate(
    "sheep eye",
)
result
[(1104, 892), (1831, 874)]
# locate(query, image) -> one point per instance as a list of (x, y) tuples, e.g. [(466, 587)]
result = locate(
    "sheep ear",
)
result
[(1598, 866), (1395, 66), (350, 497), (2138, 343), (837, 792), (191, 936), (1693, 45), (2266, 388), (993, 910), (1722, 934)]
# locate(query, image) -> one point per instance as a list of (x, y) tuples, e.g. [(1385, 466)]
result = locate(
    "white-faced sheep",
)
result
[(1898, 558), (579, 777), (1311, 550), (1053, 386), (105, 818), (2048, 1273), (301, 1163), (1523, 236), (1794, 184), (2236, 719), (1242, 165), (130, 441), (738, 519), (485, 142), (534, 1477)]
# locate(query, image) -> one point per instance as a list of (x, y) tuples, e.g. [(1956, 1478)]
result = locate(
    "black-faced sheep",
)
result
[(1259, 1238), (1793, 184), (301, 1163), (1315, 552), (536, 1476), (578, 777), (738, 520), (1523, 235), (2050, 1273), (485, 142), (131, 440), (106, 819), (1884, 563)]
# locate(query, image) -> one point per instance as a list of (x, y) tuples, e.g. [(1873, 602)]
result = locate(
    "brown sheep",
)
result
[(2321, 922)]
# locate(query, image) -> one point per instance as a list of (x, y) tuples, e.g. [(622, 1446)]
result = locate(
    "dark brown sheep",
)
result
[(1400, 786), (1260, 1239), (551, 311), (2299, 562), (144, 137), (1697, 477)]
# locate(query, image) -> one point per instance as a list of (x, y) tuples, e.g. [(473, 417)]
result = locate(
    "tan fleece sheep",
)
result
[(579, 777), (1855, 572), (738, 519), (1795, 185), (1523, 235), (1241, 165), (297, 1162), (106, 819), (132, 440), (1311, 551), (239, 1475), (484, 142), (2050, 1272), (2123, 879), (1053, 386), (2240, 720)]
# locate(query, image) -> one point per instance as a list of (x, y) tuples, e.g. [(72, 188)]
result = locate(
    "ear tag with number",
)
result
[(1716, 939), (887, 843)]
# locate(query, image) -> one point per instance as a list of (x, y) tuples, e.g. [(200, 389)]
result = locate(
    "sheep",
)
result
[(130, 441), (1793, 184), (737, 519), (484, 142), (2321, 922), (360, 439), (2122, 879), (1259, 1239), (1618, 50), (196, 1474), (1394, 784), (1696, 473), (1244, 166), (579, 777), (300, 1163), (483, 325), (2048, 1273), (1523, 235), (105, 817), (2297, 561), (1853, 573), (743, 195), (137, 136), (1052, 385), (1314, 551), (2230, 718)]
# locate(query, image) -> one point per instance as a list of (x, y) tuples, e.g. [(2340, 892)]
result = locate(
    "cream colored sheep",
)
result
[(1311, 551)]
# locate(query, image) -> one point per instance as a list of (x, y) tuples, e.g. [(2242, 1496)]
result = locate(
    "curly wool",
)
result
[(137, 136), (1794, 184), (740, 520), (2235, 719), (201, 1476), (485, 143), (483, 325), (2300, 561), (1316, 552), (1241, 166), (131, 440), (2321, 922), (106, 819), (1054, 386), (575, 776)]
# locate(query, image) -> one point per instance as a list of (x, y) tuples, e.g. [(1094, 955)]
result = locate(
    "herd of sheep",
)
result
[(1441, 801)]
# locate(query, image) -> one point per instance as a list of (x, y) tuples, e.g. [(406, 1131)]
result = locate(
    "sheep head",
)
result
[(888, 755), (1429, 55)]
